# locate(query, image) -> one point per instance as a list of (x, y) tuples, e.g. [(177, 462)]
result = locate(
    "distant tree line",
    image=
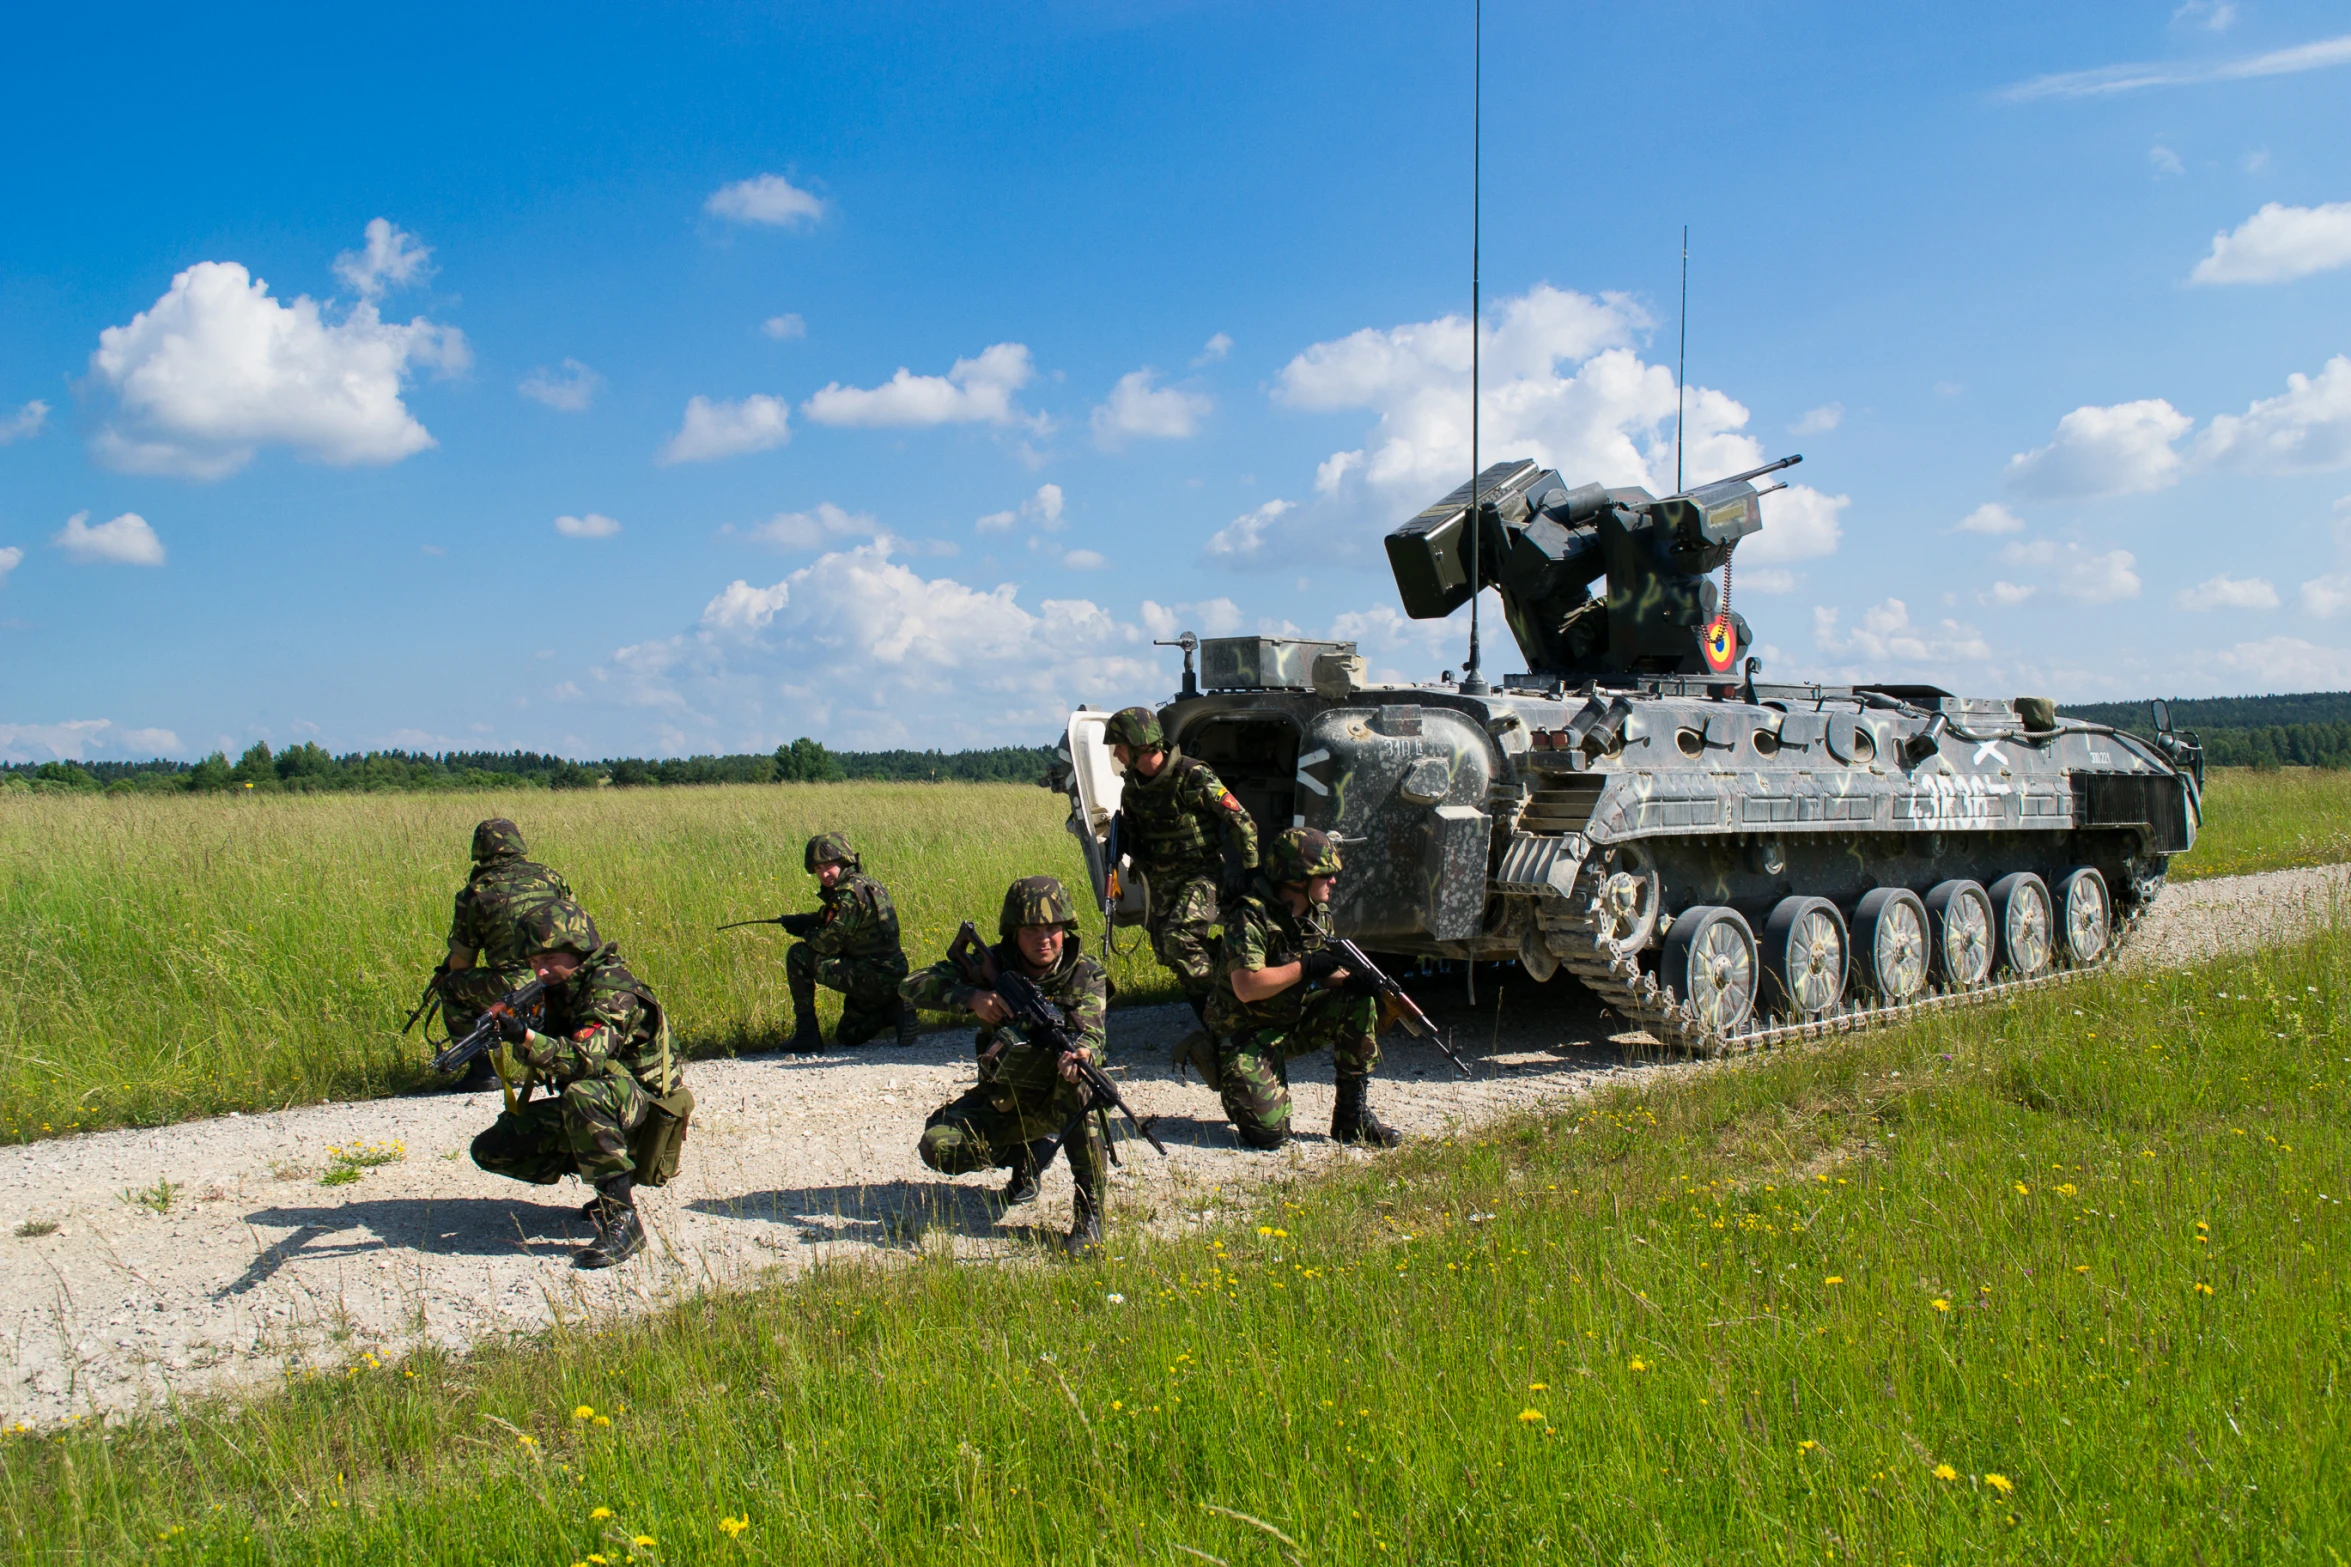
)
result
[(311, 769), (2305, 729)]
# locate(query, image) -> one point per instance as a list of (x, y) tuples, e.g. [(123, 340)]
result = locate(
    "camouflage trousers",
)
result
[(583, 1131), (868, 987), (1253, 1068), (466, 993), (1183, 922), (987, 1127)]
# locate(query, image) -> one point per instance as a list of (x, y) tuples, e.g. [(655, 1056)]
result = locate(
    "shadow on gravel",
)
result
[(443, 1227), (880, 1213)]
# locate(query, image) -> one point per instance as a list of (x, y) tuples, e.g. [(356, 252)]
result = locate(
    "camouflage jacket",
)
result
[(602, 1017), (1261, 932), (1182, 820), (1076, 984), (488, 914), (859, 922)]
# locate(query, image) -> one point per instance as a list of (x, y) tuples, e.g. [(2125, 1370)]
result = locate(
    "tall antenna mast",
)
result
[(1473, 683), (1681, 359)]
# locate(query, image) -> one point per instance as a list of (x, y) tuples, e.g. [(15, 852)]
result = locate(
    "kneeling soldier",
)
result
[(485, 958), (1026, 1105), (849, 945), (619, 1110), (1282, 994)]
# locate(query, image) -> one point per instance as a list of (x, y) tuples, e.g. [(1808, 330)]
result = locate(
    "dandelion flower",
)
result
[(1940, 1304), (1836, 1278), (1806, 1446), (599, 1514), (2081, 1267), (2000, 1483), (2203, 1289), (1530, 1416), (643, 1542), (1946, 1472), (2066, 1189), (1538, 1387), (602, 1420), (584, 1412), (2023, 1190), (1640, 1365), (735, 1526)]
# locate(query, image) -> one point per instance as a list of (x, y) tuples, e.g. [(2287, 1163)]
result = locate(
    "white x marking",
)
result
[(1990, 748)]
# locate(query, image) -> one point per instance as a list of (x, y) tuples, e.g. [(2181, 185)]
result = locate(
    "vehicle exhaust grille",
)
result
[(1562, 806)]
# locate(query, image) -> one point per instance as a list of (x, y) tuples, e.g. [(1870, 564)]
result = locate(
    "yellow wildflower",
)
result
[(2067, 1189), (735, 1526), (584, 1412), (643, 1542), (2000, 1483), (1530, 1415), (599, 1514), (1946, 1472), (2023, 1190), (1940, 1304), (1836, 1278), (1538, 1387), (2203, 1289)]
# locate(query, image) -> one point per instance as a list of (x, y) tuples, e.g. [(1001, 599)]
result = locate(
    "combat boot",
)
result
[(1352, 1120), (906, 1023), (1028, 1168), (806, 1038), (1085, 1222), (620, 1234)]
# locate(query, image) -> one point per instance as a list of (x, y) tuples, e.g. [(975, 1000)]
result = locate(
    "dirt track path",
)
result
[(257, 1271)]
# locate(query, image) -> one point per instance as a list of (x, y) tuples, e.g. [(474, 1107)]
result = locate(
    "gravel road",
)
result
[(255, 1270)]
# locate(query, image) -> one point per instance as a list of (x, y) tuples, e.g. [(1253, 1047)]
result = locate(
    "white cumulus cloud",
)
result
[(2165, 161), (593, 525), (1213, 351), (1215, 617), (1992, 518), (973, 391), (1886, 633), (124, 541), (2278, 244), (1819, 421), (825, 526), (10, 559), (1243, 540), (25, 423), (66, 742), (1798, 524), (2009, 594), (2290, 664), (2305, 429), (2323, 598), (1138, 408), (719, 429), (393, 259), (1085, 560), (216, 369), (2120, 450), (1043, 509), (2227, 592), (571, 389), (2084, 575), (785, 326), (767, 200)]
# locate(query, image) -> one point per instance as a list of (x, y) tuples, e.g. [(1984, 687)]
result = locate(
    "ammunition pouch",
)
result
[(659, 1141), (1134, 897)]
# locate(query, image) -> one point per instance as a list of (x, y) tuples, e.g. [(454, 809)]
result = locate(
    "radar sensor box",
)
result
[(1263, 663)]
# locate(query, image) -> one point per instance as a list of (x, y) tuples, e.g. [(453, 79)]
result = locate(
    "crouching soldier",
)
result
[(617, 1118), (1282, 993), (485, 958), (851, 945), (1027, 1104)]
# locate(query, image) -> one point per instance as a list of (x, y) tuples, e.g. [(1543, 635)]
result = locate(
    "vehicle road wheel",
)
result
[(1709, 960), (2088, 915), (2020, 900), (1959, 928), (1890, 944), (1804, 955)]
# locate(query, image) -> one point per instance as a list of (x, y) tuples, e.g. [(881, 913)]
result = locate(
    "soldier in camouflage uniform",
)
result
[(851, 946), (1194, 842), (1025, 1097), (1283, 993), (603, 1045), (486, 956)]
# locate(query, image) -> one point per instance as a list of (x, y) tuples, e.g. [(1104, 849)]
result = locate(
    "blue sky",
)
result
[(647, 380)]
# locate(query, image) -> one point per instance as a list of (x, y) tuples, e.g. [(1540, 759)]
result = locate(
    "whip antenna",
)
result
[(1680, 359), (1473, 683)]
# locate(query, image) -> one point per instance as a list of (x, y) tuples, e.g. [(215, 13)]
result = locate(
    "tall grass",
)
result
[(2063, 1282), (162, 957), (167, 957)]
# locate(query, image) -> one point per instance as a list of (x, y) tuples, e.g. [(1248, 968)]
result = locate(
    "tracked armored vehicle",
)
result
[(1726, 861)]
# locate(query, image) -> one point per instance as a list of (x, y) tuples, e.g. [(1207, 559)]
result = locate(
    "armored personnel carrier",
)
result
[(1726, 861)]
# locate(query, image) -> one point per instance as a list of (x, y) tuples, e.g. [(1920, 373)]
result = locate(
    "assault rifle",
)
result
[(484, 1033), (1407, 1011), (430, 1001), (794, 924), (1041, 1023)]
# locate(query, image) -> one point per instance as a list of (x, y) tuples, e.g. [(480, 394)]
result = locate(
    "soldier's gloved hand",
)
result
[(511, 1028), (1318, 966), (1360, 984)]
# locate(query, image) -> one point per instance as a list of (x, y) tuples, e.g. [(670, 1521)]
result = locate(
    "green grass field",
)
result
[(2060, 1282), (170, 957)]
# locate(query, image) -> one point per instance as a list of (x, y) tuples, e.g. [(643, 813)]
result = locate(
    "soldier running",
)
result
[(1195, 843), (1026, 1099), (603, 1045), (486, 957), (1283, 994), (850, 945)]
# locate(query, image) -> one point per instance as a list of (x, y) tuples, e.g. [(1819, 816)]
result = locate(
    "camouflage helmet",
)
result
[(496, 839), (828, 848), (1036, 900), (1135, 726), (1299, 852), (560, 925)]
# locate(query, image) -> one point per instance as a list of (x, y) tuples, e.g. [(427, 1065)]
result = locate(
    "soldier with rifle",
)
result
[(619, 1108), (485, 957), (1285, 990), (1193, 841), (849, 944), (1032, 1098)]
